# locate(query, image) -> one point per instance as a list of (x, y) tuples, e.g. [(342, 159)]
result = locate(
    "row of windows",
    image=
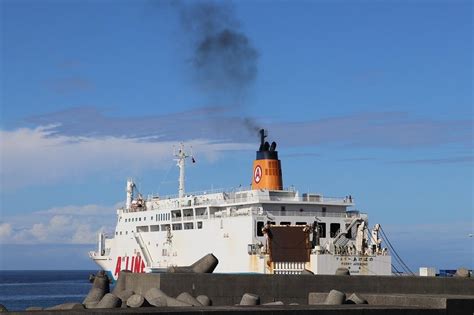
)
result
[(163, 217), (333, 228), (165, 227), (159, 217), (137, 219)]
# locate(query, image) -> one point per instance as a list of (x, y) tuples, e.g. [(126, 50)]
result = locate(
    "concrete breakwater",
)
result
[(285, 294), (227, 289), (195, 289)]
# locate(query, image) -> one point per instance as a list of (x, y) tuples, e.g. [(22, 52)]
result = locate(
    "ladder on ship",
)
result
[(144, 248)]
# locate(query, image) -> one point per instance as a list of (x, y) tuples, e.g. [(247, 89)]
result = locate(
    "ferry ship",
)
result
[(261, 229)]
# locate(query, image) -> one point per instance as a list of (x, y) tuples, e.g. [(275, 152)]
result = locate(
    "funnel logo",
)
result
[(257, 174)]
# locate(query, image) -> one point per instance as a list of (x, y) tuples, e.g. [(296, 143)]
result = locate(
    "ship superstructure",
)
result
[(261, 229)]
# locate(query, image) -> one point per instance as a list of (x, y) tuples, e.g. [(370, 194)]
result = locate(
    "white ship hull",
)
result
[(262, 230), (227, 237)]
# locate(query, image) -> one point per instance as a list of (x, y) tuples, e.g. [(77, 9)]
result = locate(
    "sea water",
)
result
[(21, 289)]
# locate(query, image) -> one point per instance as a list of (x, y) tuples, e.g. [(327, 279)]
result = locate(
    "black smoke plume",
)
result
[(251, 125), (223, 61), (223, 57)]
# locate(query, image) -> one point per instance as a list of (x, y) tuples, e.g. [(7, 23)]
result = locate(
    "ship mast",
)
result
[(130, 187), (180, 162)]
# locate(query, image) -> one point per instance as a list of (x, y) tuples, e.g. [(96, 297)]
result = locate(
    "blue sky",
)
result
[(368, 98)]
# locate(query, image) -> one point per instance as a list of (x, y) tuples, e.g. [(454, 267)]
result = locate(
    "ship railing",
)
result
[(288, 268), (311, 199), (200, 193), (105, 252), (188, 218), (211, 191), (350, 214), (254, 197), (221, 214)]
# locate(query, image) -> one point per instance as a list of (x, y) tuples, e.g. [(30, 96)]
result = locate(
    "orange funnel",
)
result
[(267, 166)]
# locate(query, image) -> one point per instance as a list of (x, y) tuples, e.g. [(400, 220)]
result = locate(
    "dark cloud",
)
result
[(448, 160), (357, 159), (380, 129), (217, 123), (366, 130), (300, 154)]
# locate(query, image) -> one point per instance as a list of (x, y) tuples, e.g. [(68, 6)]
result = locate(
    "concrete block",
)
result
[(307, 272), (66, 306), (109, 301), (316, 298), (462, 273), (189, 299), (91, 277), (421, 300), (136, 301), (204, 300), (156, 297), (335, 297), (100, 287), (250, 299), (93, 297), (124, 295), (121, 281), (342, 272), (91, 305), (206, 264), (274, 303), (101, 281), (142, 282), (356, 299)]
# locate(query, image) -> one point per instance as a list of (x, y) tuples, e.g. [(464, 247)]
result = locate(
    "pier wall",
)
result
[(227, 289)]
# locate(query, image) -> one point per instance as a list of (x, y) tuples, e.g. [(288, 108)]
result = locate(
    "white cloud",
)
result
[(59, 225), (38, 156), (39, 231), (59, 221), (86, 210), (85, 235), (5, 230)]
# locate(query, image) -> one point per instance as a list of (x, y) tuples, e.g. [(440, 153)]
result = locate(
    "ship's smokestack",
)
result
[(262, 138), (267, 166)]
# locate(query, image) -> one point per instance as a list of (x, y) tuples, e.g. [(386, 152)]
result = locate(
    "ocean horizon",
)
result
[(20, 289)]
